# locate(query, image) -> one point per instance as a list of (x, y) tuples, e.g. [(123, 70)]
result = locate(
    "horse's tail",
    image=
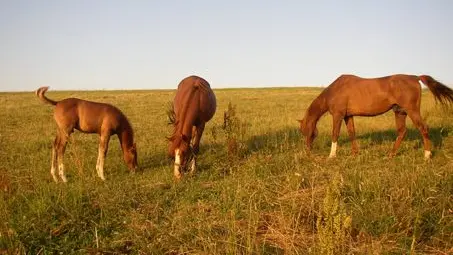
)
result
[(40, 93), (202, 84), (440, 91)]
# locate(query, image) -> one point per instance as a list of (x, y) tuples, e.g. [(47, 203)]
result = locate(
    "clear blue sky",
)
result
[(94, 44)]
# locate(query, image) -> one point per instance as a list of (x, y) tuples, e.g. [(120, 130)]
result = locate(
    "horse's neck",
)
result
[(126, 138), (317, 108)]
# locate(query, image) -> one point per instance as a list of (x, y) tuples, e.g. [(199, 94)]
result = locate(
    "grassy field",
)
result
[(257, 191)]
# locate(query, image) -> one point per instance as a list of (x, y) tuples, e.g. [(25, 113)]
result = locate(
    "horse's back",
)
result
[(88, 116), (355, 95), (349, 83)]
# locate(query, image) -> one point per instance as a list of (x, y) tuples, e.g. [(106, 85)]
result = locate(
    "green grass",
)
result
[(267, 196)]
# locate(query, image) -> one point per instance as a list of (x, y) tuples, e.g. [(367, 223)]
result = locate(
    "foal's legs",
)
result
[(54, 163), (400, 120), (102, 152), (62, 136), (335, 134), (417, 120), (349, 121)]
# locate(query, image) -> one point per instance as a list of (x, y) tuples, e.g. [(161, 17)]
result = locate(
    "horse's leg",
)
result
[(418, 122), (349, 121), (335, 133), (102, 152), (400, 121), (54, 159), (196, 145), (64, 136), (308, 142)]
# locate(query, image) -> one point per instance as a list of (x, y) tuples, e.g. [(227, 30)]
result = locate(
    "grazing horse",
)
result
[(350, 96), (193, 106), (89, 117)]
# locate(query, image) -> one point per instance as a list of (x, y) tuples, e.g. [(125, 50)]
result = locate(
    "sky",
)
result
[(147, 44)]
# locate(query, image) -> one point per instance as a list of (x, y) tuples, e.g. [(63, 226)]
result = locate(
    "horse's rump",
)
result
[(194, 103)]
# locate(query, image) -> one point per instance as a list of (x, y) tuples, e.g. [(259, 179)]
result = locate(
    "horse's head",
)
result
[(303, 127), (130, 157), (309, 131), (180, 150)]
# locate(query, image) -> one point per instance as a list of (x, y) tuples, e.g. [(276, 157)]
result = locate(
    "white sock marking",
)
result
[(193, 166), (100, 164), (101, 169), (176, 172), (53, 172), (428, 154), (333, 150), (61, 172)]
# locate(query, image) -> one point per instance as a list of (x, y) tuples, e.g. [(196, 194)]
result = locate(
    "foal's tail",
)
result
[(441, 92), (40, 93)]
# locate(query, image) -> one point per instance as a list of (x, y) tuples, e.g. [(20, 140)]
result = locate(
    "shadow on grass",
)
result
[(273, 140), (269, 141), (154, 160), (436, 135), (283, 139)]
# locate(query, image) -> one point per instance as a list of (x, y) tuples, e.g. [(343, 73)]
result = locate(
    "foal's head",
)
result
[(130, 157)]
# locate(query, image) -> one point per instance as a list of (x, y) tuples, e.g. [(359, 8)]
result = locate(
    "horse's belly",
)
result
[(370, 109), (88, 127)]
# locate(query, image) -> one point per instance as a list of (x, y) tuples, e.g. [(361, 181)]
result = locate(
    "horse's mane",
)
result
[(174, 138), (317, 108), (171, 115), (127, 124)]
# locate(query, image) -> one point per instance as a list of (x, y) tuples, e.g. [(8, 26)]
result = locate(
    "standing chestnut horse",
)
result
[(89, 117), (193, 106), (350, 96)]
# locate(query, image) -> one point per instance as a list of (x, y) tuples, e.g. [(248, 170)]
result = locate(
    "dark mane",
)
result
[(171, 116)]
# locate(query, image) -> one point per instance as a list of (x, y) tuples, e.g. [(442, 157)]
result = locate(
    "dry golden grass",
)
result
[(264, 195)]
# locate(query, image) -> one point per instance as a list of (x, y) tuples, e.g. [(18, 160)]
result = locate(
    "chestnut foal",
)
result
[(89, 117)]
